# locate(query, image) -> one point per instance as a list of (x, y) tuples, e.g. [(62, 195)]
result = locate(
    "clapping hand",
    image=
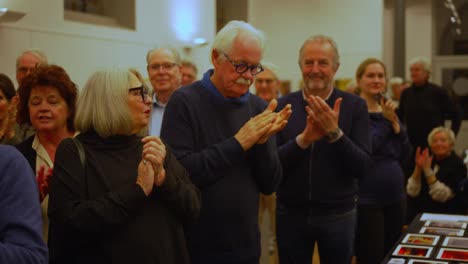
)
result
[(154, 151), (280, 122), (43, 179), (423, 159), (388, 111), (324, 117), (258, 126)]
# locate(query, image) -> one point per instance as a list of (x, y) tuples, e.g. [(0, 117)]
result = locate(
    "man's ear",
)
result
[(215, 57)]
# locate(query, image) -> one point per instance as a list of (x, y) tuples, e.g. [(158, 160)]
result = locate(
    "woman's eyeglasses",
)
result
[(141, 91)]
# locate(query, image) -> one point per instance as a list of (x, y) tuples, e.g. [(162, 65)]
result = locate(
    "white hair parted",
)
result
[(225, 38)]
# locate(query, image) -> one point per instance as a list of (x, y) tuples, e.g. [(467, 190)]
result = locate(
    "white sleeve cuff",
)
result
[(440, 192), (413, 187)]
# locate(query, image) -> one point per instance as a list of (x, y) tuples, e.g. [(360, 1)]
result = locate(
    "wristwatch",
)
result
[(333, 135)]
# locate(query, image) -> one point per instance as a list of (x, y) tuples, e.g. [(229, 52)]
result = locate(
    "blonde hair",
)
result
[(446, 130), (103, 103)]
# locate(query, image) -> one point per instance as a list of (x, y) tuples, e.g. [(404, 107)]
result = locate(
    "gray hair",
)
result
[(36, 53), (272, 67), (395, 80), (446, 130), (226, 36), (103, 104), (187, 63), (175, 53), (322, 39), (423, 61)]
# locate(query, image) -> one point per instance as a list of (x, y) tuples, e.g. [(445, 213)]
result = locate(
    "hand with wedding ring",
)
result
[(154, 152)]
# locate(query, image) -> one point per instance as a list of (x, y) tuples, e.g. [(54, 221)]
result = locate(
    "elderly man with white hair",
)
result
[(425, 105), (224, 136)]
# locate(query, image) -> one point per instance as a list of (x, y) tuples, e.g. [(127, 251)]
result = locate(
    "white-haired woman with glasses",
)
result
[(436, 177), (117, 197)]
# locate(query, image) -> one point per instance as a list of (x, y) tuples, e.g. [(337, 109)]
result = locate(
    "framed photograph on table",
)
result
[(453, 254), (457, 242), (419, 239), (446, 224), (412, 251), (423, 261), (441, 231)]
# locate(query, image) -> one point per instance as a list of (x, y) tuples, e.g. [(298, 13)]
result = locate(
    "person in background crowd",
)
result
[(9, 129), (267, 87), (425, 105), (381, 196), (435, 181), (189, 72), (124, 199), (48, 104), (396, 88), (222, 135), (164, 71), (27, 61), (20, 213), (323, 150)]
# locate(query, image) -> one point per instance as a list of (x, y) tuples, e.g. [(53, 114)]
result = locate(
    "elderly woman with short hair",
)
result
[(117, 197), (436, 178)]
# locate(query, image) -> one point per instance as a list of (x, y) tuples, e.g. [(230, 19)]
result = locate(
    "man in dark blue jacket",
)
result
[(324, 148), (222, 135), (20, 213)]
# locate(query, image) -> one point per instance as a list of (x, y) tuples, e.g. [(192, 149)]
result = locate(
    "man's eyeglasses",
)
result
[(243, 67), (141, 91), (164, 66)]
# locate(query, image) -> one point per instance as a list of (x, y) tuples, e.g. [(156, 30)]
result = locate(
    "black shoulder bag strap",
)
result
[(81, 152), (82, 155)]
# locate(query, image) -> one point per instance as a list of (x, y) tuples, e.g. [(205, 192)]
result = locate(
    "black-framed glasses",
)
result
[(164, 66), (243, 67), (141, 91)]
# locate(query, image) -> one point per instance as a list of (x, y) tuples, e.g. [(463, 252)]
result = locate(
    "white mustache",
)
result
[(243, 81)]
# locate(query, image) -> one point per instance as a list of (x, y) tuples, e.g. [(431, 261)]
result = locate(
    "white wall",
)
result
[(82, 48), (418, 32), (356, 26)]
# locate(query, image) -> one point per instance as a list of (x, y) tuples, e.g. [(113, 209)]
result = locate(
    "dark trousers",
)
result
[(297, 233), (378, 229)]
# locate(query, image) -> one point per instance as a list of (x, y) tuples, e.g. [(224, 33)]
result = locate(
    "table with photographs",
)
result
[(434, 239)]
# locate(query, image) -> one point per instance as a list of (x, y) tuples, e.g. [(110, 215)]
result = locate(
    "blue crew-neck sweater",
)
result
[(199, 124)]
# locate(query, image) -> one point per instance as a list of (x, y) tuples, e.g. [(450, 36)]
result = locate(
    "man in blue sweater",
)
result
[(324, 148), (222, 135), (20, 213)]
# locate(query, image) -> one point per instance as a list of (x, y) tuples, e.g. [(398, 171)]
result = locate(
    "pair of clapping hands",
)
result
[(151, 171), (321, 120), (262, 126), (423, 159)]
